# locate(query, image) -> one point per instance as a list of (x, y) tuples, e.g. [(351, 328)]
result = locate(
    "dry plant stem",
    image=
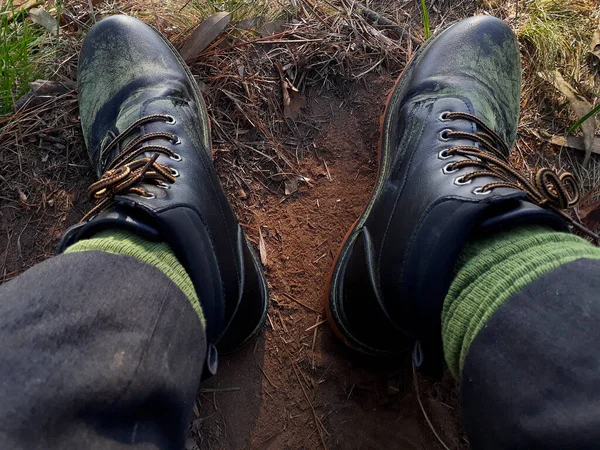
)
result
[(378, 19), (318, 423), (416, 383), (91, 6), (301, 304)]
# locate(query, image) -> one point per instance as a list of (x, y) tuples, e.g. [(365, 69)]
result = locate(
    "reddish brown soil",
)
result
[(272, 394)]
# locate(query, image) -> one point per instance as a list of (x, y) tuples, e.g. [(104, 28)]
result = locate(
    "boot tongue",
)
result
[(140, 104)]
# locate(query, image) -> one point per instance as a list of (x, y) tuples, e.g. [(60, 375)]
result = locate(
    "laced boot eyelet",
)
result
[(460, 181), (174, 172), (175, 140), (480, 191), (163, 185), (449, 168), (176, 157), (170, 120), (444, 134), (443, 117), (444, 154)]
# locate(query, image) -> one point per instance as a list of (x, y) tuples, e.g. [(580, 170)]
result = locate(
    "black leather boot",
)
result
[(449, 125), (147, 132)]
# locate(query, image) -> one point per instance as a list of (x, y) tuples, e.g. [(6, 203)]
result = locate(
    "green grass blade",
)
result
[(425, 19), (577, 124), (19, 42)]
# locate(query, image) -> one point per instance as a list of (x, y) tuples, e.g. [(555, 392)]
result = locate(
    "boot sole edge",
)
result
[(330, 296), (202, 109)]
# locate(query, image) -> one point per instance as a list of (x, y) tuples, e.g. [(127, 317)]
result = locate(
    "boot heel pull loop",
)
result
[(211, 362), (417, 355)]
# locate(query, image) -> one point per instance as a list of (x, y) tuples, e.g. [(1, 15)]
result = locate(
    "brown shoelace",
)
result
[(125, 173), (557, 192)]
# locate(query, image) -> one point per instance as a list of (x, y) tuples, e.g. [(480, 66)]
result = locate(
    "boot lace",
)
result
[(549, 189), (125, 173)]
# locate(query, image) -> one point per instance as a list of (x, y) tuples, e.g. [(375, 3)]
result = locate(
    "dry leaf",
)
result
[(293, 102), (202, 85), (204, 35), (588, 208), (269, 28), (579, 105), (574, 142), (595, 46), (22, 196), (296, 103), (45, 19), (16, 3), (291, 186), (286, 95), (252, 22), (589, 213), (590, 216), (18, 6), (262, 248), (42, 90), (284, 85)]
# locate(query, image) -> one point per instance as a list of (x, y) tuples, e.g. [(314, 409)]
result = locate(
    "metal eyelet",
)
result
[(176, 157), (149, 196), (175, 140), (443, 136), (444, 154), (449, 169), (174, 172), (443, 117), (170, 120), (480, 191), (163, 185), (460, 181)]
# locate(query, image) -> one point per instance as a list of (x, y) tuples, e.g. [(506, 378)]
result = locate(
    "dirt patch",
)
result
[(297, 386)]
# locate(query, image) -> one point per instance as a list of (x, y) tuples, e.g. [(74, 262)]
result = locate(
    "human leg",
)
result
[(520, 330), (99, 350)]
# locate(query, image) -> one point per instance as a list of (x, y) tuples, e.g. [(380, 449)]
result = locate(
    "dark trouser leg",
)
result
[(98, 351), (531, 378)]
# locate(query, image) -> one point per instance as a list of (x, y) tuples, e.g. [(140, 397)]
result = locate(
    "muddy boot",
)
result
[(444, 174), (147, 132)]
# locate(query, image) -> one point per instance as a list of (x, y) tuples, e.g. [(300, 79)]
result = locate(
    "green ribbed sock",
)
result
[(493, 268), (157, 254)]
